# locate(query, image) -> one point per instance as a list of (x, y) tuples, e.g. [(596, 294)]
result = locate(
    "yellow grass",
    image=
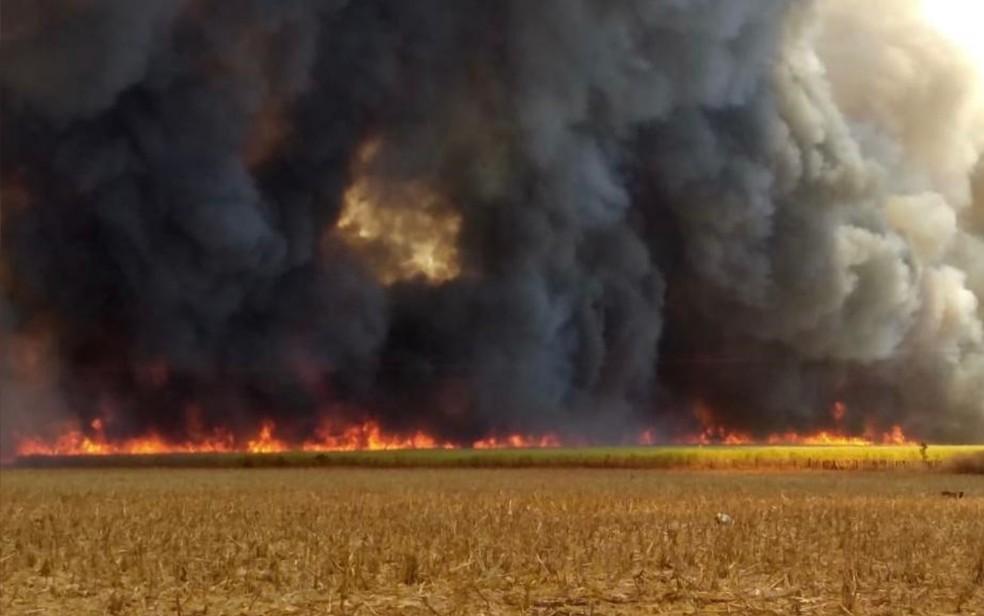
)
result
[(721, 457), (472, 541)]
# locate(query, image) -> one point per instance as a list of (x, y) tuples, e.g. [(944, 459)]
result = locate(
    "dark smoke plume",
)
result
[(476, 217)]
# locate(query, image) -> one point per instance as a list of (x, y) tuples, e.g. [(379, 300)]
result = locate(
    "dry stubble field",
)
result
[(480, 541)]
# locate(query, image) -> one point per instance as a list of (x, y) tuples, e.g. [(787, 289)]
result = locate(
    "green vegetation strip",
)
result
[(710, 457)]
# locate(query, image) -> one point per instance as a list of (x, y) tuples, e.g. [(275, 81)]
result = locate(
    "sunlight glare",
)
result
[(961, 21)]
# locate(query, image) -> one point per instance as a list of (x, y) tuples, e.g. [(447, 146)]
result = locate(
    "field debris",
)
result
[(724, 519)]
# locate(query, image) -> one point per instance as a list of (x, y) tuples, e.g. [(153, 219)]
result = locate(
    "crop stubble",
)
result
[(479, 541)]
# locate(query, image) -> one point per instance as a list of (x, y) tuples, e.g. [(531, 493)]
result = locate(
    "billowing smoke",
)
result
[(474, 217)]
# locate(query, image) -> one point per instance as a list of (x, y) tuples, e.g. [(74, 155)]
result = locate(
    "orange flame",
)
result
[(715, 433), (369, 435), (75, 443), (518, 441), (822, 437), (365, 436), (265, 442)]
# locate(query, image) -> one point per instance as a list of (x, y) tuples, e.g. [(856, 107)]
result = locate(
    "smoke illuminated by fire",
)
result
[(399, 242), (346, 226)]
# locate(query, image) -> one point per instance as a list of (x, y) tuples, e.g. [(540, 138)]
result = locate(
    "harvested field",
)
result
[(483, 541)]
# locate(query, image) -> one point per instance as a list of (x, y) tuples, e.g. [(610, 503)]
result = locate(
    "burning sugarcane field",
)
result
[(489, 307)]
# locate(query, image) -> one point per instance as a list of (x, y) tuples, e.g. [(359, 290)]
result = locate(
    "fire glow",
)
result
[(366, 436), (370, 436), (399, 243), (714, 432)]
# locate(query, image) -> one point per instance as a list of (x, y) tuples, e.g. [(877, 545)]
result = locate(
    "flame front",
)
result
[(370, 436), (75, 442), (518, 441), (330, 436), (715, 433)]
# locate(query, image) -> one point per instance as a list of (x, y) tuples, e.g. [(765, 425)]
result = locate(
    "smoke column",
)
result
[(470, 217)]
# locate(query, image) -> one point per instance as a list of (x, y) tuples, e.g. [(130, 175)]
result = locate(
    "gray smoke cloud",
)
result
[(764, 206)]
